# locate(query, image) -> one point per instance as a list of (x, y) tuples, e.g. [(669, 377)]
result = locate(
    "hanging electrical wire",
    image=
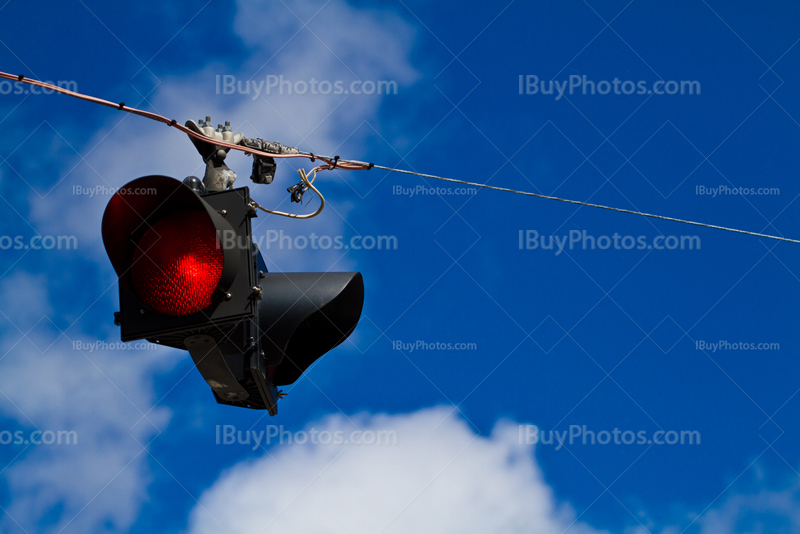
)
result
[(309, 184), (335, 162)]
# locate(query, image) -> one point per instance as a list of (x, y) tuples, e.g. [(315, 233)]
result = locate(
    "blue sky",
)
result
[(642, 336)]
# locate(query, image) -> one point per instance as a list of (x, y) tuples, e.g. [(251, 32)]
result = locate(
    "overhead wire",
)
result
[(175, 124), (335, 162), (589, 204)]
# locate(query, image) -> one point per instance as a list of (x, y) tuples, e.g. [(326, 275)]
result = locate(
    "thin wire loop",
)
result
[(309, 184)]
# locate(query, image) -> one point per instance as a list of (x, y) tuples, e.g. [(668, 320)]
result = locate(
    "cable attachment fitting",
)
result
[(296, 192), (264, 166), (218, 176)]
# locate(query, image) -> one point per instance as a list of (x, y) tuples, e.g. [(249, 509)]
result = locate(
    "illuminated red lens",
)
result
[(177, 264)]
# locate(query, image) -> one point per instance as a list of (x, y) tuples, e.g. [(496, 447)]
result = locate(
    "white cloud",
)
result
[(439, 477), (101, 483), (765, 511), (106, 398)]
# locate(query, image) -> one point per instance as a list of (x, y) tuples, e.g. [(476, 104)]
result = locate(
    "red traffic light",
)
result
[(178, 263), (162, 240)]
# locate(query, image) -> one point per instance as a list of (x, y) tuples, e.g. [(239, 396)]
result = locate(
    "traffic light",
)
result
[(190, 277)]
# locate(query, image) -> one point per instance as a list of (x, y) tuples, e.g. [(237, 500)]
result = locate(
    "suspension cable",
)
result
[(578, 202), (352, 165)]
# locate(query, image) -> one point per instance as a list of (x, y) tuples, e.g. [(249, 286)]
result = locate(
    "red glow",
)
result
[(177, 264)]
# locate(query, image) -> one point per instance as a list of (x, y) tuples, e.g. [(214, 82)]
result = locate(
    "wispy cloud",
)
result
[(440, 476), (107, 397)]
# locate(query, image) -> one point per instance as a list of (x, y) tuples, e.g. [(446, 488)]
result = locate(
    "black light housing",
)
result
[(191, 278), (305, 316)]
